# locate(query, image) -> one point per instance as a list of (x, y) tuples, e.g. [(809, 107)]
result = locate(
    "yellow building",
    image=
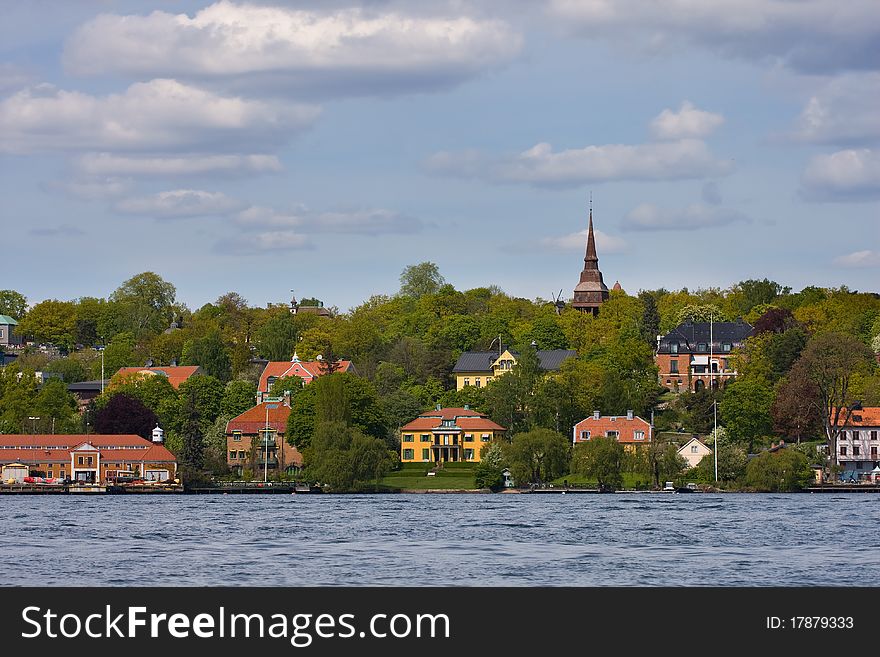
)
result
[(447, 434), (480, 368)]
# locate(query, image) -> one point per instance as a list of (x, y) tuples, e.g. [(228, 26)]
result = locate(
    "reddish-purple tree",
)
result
[(124, 414)]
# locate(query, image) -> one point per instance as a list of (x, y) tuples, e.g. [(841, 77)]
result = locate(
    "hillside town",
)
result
[(752, 388)]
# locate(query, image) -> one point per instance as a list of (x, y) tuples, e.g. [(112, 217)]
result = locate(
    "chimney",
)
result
[(467, 407), (595, 415), (629, 414), (149, 362), (158, 435), (173, 362), (287, 397), (438, 406)]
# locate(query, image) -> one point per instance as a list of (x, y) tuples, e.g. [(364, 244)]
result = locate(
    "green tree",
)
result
[(421, 279), (192, 454), (238, 396), (782, 471), (277, 338), (600, 458), (344, 459), (537, 456), (146, 303), (56, 407), (12, 303), (210, 353), (50, 321), (488, 476), (745, 410), (207, 393), (659, 460)]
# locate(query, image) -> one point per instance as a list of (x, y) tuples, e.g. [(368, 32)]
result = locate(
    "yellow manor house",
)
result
[(447, 434), (480, 368)]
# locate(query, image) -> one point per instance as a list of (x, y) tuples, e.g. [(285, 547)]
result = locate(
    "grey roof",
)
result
[(481, 361), (691, 334), (82, 386)]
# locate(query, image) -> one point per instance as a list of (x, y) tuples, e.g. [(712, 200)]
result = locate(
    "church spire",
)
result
[(591, 259), (591, 291)]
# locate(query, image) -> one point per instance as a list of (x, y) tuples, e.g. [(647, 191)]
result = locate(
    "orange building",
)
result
[(92, 458), (629, 429), (306, 370), (176, 374), (255, 439), (447, 434)]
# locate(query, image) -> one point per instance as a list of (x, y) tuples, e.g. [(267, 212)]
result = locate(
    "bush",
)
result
[(786, 470), (489, 476)]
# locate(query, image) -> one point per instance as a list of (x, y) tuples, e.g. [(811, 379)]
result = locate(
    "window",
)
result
[(242, 454), (699, 369), (488, 380), (843, 435), (673, 347), (468, 437), (467, 380), (426, 454), (726, 346), (693, 449), (585, 435), (859, 465), (873, 435), (447, 423), (270, 381), (236, 436), (638, 435), (855, 450), (231, 454), (426, 437), (408, 454), (81, 460), (485, 438), (673, 367), (477, 382), (89, 460), (407, 437), (855, 435), (468, 455), (612, 434), (843, 450), (702, 348), (873, 452)]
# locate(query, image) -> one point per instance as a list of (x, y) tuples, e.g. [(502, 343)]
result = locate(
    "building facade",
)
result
[(480, 368), (176, 374), (255, 440), (693, 451), (448, 435), (858, 446), (93, 458), (306, 370), (698, 355), (629, 429), (591, 291), (7, 324)]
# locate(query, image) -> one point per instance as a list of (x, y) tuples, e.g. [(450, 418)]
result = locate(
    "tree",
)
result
[(192, 454), (206, 393), (238, 396), (488, 476), (418, 280), (537, 456), (700, 313), (12, 303), (745, 410), (732, 460), (276, 339), (650, 317), (781, 471), (124, 414), (210, 353), (660, 460), (146, 303), (343, 458), (795, 409), (600, 458), (829, 362), (51, 321), (56, 407)]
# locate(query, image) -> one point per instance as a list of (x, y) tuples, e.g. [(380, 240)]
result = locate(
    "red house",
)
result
[(628, 429), (307, 370)]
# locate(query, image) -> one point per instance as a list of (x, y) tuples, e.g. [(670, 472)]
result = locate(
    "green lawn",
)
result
[(413, 475)]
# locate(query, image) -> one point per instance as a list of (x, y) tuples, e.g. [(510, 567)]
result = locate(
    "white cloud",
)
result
[(806, 35), (648, 217), (257, 243), (180, 203), (844, 112), (158, 115), (605, 243), (540, 165), (847, 175), (688, 122), (859, 259), (102, 164), (13, 77), (353, 222), (333, 49)]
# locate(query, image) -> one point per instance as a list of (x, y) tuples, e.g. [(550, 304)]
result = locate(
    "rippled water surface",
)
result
[(414, 540)]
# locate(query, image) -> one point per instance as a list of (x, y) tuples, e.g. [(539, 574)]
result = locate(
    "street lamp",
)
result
[(103, 346), (33, 420)]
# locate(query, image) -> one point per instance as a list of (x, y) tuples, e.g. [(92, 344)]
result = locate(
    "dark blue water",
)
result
[(516, 540)]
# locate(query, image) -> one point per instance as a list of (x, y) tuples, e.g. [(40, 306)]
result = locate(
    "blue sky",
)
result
[(324, 146)]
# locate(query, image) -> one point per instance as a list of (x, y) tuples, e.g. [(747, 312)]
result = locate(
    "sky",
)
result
[(321, 147)]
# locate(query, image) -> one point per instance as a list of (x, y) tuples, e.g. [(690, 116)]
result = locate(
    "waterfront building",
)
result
[(255, 439), (629, 429), (448, 435), (693, 451), (591, 291), (857, 445), (480, 368), (695, 355), (306, 370), (91, 458), (176, 374)]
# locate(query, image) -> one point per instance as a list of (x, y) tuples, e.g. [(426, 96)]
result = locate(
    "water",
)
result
[(436, 540)]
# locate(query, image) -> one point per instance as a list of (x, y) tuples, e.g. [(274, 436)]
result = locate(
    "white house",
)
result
[(693, 451)]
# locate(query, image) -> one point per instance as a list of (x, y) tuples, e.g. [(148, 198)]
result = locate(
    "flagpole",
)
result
[(712, 388), (266, 448)]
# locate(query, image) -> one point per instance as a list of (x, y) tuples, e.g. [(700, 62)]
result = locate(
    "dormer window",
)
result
[(447, 424), (270, 381), (673, 347), (726, 346), (702, 347)]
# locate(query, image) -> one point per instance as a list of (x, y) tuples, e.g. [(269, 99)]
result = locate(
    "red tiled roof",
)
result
[(254, 419), (304, 369), (176, 374), (867, 417), (464, 419), (57, 448), (617, 423)]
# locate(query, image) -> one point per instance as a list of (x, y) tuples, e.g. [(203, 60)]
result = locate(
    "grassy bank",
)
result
[(414, 476)]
